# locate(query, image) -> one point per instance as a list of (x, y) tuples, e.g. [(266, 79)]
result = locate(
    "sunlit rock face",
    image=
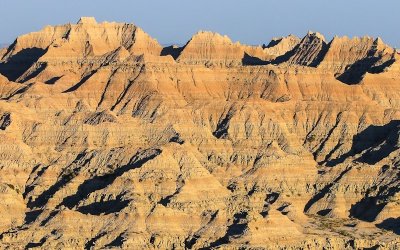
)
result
[(109, 140)]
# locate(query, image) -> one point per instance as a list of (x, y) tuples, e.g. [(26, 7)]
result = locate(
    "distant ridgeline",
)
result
[(109, 140)]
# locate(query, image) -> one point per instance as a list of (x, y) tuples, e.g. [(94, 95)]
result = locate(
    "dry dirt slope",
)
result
[(109, 140)]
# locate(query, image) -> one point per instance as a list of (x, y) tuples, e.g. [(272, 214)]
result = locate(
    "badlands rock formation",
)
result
[(109, 140)]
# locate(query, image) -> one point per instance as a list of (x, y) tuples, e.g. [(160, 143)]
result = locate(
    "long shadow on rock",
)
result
[(44, 197), (377, 142), (39, 69), (36, 244), (191, 241), (369, 207), (15, 66), (223, 124), (355, 73), (90, 244), (117, 242), (104, 207), (285, 57), (101, 182), (249, 60), (81, 82), (235, 230), (317, 60), (380, 68), (53, 80), (172, 51), (5, 120), (321, 194), (392, 224), (31, 216)]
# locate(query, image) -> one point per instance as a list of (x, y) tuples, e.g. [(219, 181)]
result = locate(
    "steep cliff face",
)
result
[(71, 44), (110, 141), (213, 49), (350, 59), (282, 45), (310, 50)]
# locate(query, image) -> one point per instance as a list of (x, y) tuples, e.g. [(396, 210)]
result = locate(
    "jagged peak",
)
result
[(379, 41), (355, 39), (278, 40), (366, 41), (211, 48), (312, 34), (206, 36), (87, 20)]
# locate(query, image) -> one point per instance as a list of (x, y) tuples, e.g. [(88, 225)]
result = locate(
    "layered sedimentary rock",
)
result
[(109, 140), (309, 51), (282, 45), (213, 49)]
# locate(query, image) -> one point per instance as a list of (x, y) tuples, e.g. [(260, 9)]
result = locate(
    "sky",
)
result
[(250, 22)]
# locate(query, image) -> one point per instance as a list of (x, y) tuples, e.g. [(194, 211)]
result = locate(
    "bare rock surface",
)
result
[(108, 140)]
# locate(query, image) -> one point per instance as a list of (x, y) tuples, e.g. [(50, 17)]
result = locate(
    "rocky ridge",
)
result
[(109, 140)]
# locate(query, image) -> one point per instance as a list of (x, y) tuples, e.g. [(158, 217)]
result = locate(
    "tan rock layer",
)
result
[(105, 143)]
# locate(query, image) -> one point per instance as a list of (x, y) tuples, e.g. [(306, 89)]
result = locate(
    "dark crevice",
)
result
[(324, 212), (272, 43), (104, 207), (249, 60), (236, 229), (36, 244), (125, 91), (64, 179), (18, 64), (99, 117), (391, 224), (221, 131), (81, 82), (370, 206), (375, 142), (329, 155), (355, 72), (31, 216), (49, 217), (90, 244), (324, 191), (38, 171), (285, 57), (318, 59), (177, 139), (141, 104), (106, 88), (5, 120), (172, 50), (269, 200), (380, 68), (191, 241), (53, 80), (367, 209), (39, 69), (117, 242), (100, 182), (330, 132), (19, 91)]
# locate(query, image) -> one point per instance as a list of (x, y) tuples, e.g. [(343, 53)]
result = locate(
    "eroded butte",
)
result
[(110, 140)]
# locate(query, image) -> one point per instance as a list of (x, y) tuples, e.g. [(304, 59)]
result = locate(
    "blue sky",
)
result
[(251, 21)]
